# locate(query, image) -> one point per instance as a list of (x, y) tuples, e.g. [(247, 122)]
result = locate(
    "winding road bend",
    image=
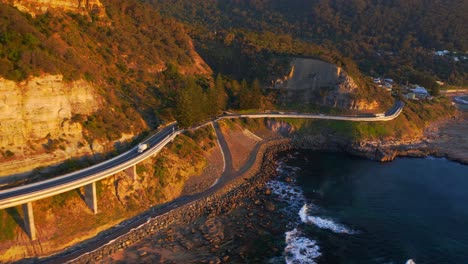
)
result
[(35, 191), (94, 244)]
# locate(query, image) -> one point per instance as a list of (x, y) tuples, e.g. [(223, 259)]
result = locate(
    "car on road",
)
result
[(142, 147)]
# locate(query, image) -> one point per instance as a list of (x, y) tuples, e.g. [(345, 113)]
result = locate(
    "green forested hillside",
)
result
[(131, 39), (395, 38), (140, 55), (129, 55)]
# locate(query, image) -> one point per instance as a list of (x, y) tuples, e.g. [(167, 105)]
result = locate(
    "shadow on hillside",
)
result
[(13, 212)]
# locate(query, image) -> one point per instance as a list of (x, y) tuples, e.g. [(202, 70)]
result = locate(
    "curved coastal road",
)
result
[(36, 191), (72, 254), (391, 114), (130, 158)]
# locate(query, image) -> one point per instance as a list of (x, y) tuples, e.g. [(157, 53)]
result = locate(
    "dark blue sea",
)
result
[(353, 210)]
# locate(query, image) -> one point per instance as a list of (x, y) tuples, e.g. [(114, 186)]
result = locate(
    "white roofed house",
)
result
[(442, 52), (420, 92)]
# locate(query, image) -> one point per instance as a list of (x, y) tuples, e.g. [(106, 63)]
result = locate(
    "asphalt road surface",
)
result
[(90, 172)]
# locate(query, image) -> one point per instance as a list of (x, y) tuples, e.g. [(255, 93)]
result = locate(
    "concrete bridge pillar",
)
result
[(91, 197), (131, 172), (28, 217)]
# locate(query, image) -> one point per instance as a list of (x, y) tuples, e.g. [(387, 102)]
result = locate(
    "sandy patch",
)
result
[(210, 174), (240, 144)]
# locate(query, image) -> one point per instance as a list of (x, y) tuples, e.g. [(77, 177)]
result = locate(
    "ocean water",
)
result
[(352, 210)]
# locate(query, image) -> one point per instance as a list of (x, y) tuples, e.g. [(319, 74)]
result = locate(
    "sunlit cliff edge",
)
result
[(35, 7), (37, 117)]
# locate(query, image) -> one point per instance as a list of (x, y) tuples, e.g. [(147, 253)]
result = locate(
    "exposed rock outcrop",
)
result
[(322, 83), (280, 127), (36, 115), (35, 7), (381, 150)]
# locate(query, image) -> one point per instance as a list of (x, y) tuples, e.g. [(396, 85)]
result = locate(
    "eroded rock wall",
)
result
[(35, 7), (36, 111), (322, 83)]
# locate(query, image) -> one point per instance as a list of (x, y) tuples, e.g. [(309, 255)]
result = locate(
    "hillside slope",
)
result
[(80, 76), (395, 38)]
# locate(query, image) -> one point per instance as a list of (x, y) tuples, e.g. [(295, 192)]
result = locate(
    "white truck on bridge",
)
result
[(142, 147)]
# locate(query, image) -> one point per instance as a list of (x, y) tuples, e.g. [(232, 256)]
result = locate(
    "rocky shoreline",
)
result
[(207, 221), (447, 139), (374, 150), (233, 195), (242, 225)]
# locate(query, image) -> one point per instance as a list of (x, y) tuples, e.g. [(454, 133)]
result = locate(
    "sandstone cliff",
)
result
[(322, 83), (36, 116), (35, 7)]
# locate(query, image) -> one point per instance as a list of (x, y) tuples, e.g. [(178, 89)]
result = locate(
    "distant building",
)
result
[(442, 52), (420, 90), (419, 93)]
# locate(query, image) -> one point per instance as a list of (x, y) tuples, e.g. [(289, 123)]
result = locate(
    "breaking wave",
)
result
[(300, 249), (323, 223), (291, 194)]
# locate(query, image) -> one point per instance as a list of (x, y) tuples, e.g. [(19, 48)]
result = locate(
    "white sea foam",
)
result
[(434, 158), (291, 194), (323, 223), (300, 249), (287, 170)]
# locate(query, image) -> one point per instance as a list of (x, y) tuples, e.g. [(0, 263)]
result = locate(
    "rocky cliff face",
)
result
[(280, 127), (36, 115), (35, 7), (322, 83), (380, 150)]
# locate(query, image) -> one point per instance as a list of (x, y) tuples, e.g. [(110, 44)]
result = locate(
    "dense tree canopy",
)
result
[(135, 53), (384, 37)]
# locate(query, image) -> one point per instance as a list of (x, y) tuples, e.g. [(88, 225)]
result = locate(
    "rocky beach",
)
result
[(243, 221), (242, 226), (243, 196), (447, 138)]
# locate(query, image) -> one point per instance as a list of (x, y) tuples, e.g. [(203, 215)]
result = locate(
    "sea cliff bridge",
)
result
[(25, 195)]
